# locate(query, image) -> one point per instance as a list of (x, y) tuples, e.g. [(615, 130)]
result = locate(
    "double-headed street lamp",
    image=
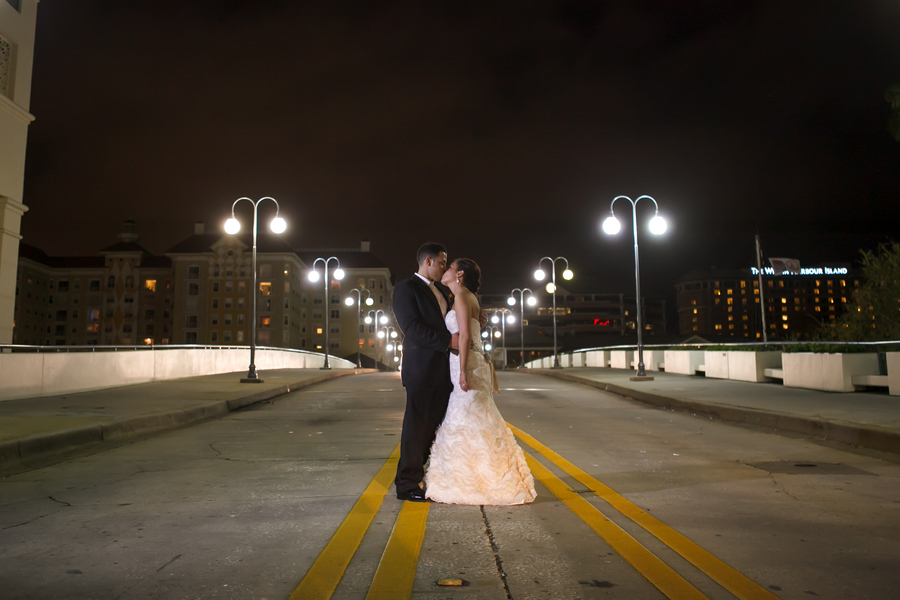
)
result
[(512, 302), (611, 226), (383, 320), (489, 333), (503, 316), (314, 276), (359, 302), (388, 332), (232, 226), (551, 289)]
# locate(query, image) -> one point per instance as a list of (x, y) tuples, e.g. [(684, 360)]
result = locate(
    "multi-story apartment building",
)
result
[(725, 303), (17, 27), (201, 293)]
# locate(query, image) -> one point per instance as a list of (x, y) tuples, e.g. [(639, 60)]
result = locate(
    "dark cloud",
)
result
[(501, 129)]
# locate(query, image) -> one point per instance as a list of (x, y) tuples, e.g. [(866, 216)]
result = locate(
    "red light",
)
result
[(601, 323)]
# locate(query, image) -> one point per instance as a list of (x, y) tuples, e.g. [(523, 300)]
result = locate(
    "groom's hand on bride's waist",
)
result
[(454, 343)]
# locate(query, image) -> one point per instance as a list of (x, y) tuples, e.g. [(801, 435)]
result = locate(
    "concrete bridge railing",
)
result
[(833, 372), (27, 372)]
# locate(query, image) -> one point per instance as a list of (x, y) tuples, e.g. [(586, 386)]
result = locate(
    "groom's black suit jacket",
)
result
[(426, 342)]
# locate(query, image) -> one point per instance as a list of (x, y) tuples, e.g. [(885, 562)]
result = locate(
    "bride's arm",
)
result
[(462, 319)]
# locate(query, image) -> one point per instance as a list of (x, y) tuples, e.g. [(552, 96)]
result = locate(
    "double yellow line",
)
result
[(397, 569)]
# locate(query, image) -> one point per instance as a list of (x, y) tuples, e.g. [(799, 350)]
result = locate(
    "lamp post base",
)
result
[(324, 368), (640, 378), (251, 380)]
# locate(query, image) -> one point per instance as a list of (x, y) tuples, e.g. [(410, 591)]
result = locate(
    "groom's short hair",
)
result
[(430, 250)]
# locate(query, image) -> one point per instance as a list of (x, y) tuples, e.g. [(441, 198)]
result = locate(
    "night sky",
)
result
[(502, 129)]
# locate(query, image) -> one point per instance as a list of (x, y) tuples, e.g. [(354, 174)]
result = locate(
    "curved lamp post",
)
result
[(489, 333), (611, 226), (388, 332), (512, 302), (232, 226), (349, 302), (503, 316), (551, 289), (314, 276)]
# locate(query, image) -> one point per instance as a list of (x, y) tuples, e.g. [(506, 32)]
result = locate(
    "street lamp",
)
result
[(488, 334), (376, 320), (232, 226), (611, 226), (314, 276), (503, 316), (551, 289), (388, 332), (531, 302), (349, 302)]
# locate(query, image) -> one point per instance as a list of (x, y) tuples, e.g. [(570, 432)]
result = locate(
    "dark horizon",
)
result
[(502, 133)]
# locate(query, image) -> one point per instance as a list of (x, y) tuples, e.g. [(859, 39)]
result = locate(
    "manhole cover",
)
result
[(804, 467)]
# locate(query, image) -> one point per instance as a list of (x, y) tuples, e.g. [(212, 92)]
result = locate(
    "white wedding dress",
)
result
[(475, 458)]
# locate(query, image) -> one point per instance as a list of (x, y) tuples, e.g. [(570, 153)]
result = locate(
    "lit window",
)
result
[(318, 331), (150, 285), (265, 288), (784, 326), (784, 317)]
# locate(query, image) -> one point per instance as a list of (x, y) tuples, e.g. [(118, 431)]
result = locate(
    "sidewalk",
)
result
[(36, 429), (869, 420)]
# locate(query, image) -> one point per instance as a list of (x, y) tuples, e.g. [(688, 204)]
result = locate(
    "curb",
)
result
[(15, 453), (865, 436)]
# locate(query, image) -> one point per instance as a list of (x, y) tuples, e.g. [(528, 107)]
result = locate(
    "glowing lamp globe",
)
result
[(496, 334), (368, 320), (510, 319), (568, 274), (532, 301), (495, 319), (550, 288), (313, 276), (484, 334), (393, 335), (487, 347), (657, 225), (339, 273), (369, 301), (399, 346), (380, 334), (611, 225), (349, 301), (539, 275), (278, 225), (384, 320), (232, 226), (390, 347), (511, 301), (396, 359)]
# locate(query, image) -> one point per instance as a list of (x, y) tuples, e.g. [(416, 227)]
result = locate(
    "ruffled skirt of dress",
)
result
[(475, 458)]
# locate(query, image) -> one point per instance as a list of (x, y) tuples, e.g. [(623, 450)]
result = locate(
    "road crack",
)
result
[(496, 551)]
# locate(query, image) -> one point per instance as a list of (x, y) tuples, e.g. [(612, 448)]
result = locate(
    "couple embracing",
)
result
[(455, 447)]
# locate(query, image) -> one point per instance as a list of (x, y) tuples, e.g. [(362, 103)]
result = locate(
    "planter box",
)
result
[(565, 360), (578, 359), (716, 363), (597, 358), (751, 366), (621, 359), (893, 369), (827, 372), (685, 362), (652, 360)]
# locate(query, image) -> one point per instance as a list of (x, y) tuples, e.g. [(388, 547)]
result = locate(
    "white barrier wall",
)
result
[(716, 363), (893, 368), (652, 360), (621, 359), (828, 372), (751, 366), (49, 374), (685, 362)]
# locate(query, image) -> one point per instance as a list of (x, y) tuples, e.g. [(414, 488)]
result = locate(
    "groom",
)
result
[(420, 307)]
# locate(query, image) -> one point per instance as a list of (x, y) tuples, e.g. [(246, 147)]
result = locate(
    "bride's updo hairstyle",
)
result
[(471, 273)]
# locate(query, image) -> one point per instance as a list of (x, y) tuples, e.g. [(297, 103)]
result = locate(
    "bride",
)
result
[(474, 459)]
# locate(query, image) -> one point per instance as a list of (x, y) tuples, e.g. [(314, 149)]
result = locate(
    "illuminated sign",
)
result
[(806, 271), (601, 323)]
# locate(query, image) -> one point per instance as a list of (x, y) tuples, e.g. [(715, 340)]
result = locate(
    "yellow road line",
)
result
[(323, 577), (732, 580), (657, 572), (397, 569)]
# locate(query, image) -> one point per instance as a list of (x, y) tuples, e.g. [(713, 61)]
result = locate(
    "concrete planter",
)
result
[(653, 359), (750, 366), (578, 359), (685, 362), (565, 360), (893, 368), (621, 359), (597, 358), (827, 372), (716, 363)]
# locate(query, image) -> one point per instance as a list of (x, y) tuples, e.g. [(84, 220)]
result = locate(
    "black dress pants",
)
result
[(425, 410)]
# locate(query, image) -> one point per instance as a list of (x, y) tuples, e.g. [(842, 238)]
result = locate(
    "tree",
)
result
[(874, 313), (892, 95)]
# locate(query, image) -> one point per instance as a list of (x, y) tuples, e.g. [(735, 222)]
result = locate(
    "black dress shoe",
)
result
[(412, 495)]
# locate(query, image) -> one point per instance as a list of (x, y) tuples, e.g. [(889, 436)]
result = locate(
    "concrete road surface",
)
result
[(243, 506)]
